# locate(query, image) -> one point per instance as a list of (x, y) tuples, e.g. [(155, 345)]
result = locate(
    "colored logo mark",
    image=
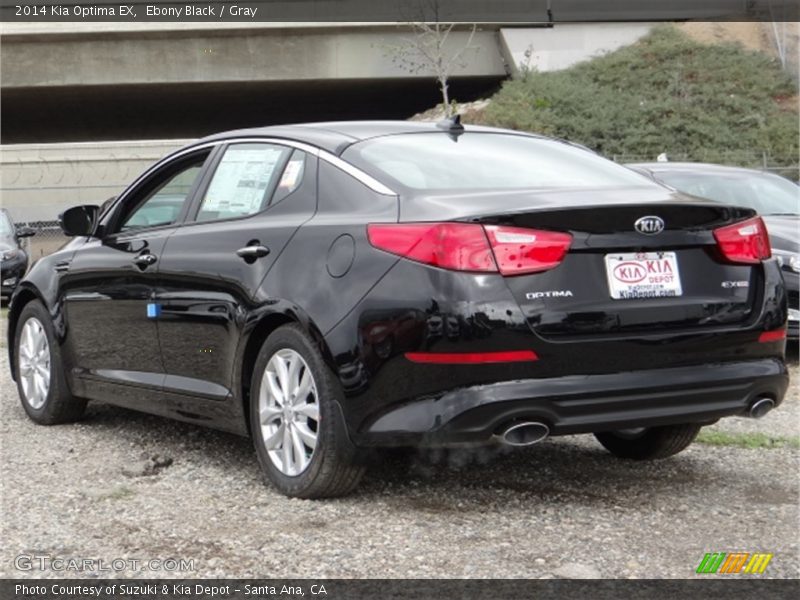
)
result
[(734, 562)]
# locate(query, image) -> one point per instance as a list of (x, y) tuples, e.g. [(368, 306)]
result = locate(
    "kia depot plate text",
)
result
[(643, 275)]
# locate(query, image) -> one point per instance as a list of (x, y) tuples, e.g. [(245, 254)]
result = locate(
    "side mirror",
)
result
[(79, 220), (23, 232)]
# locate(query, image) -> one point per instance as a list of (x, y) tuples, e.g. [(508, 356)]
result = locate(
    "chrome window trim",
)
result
[(368, 180)]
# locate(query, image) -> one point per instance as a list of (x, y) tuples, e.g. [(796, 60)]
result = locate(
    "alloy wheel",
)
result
[(34, 363), (288, 408)]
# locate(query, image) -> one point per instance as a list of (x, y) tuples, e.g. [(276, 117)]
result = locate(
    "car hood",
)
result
[(784, 232)]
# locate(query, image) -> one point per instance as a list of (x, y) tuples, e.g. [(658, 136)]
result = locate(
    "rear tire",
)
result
[(651, 443), (303, 448), (39, 372)]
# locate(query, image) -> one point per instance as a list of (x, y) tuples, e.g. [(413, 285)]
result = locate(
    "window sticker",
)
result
[(241, 180)]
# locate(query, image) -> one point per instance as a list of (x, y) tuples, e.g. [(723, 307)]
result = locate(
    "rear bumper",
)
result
[(583, 403)]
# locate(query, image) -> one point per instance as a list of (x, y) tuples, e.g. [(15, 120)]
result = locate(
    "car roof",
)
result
[(693, 166), (336, 136)]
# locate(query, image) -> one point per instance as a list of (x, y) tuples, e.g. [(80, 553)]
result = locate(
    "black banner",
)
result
[(471, 11)]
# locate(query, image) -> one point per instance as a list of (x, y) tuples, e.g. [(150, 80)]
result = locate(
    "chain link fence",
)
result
[(47, 240)]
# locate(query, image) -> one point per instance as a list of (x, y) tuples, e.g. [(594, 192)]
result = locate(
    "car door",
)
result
[(252, 201), (109, 284)]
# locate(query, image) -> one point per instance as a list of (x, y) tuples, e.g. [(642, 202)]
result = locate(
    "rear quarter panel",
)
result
[(329, 265)]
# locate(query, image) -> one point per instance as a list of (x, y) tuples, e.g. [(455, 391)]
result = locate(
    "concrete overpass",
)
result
[(70, 82), (83, 102)]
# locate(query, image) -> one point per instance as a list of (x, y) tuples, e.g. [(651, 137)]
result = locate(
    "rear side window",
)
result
[(291, 178), (475, 160), (244, 181)]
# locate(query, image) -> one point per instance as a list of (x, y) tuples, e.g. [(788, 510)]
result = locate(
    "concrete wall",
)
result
[(564, 45), (38, 181)]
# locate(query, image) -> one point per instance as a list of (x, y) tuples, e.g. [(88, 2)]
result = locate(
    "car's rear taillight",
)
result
[(745, 242), (457, 246), (473, 247), (519, 251)]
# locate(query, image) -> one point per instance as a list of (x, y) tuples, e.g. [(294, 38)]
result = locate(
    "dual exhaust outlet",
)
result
[(524, 433), (760, 407), (527, 433)]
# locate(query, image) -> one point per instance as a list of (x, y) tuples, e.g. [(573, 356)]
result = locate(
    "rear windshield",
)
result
[(437, 161)]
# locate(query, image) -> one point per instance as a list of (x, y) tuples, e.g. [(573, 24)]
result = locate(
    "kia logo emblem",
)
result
[(649, 225)]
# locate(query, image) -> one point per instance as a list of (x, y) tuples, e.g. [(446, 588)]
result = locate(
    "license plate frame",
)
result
[(643, 275)]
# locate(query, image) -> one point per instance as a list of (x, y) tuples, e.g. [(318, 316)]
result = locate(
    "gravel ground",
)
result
[(126, 485)]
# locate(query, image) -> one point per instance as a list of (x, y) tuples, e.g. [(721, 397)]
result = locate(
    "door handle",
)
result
[(252, 252), (145, 260)]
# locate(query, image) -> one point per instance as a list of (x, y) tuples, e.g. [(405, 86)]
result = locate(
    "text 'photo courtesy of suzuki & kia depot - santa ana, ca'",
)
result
[(331, 288)]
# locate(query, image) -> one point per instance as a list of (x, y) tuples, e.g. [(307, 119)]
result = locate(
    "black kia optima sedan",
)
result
[(333, 287)]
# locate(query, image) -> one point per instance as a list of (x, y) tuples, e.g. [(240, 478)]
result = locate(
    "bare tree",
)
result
[(430, 49)]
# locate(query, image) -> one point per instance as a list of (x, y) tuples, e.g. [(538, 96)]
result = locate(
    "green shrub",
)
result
[(665, 93)]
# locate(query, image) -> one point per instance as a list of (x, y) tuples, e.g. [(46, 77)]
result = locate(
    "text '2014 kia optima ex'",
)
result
[(333, 287)]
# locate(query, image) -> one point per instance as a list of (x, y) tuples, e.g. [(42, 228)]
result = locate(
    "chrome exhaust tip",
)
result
[(760, 407), (525, 433)]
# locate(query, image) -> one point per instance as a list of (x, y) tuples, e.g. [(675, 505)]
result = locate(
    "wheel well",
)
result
[(262, 331), (24, 296)]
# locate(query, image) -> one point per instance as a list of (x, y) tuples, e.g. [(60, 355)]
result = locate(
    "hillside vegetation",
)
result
[(665, 93)]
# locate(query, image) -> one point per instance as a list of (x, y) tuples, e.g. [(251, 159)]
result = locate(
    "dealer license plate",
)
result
[(643, 275)]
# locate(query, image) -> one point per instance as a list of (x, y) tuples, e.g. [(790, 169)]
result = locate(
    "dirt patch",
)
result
[(752, 36), (770, 38)]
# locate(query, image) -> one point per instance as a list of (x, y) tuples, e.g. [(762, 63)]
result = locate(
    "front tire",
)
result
[(296, 422), (649, 443), (41, 383)]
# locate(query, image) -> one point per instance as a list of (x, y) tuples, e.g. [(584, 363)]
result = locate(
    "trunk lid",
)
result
[(610, 281)]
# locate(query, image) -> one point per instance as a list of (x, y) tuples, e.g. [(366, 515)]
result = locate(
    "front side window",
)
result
[(162, 205), (475, 160), (244, 181)]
